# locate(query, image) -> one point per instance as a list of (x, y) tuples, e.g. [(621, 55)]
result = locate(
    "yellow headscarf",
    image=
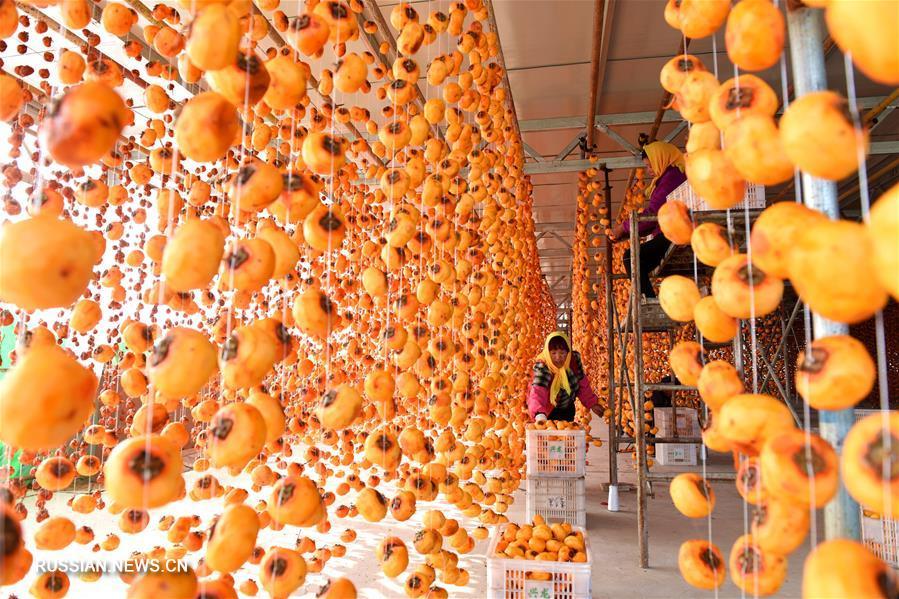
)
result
[(661, 155), (560, 375)]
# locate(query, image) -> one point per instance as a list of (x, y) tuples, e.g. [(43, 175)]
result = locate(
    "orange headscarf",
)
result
[(661, 155)]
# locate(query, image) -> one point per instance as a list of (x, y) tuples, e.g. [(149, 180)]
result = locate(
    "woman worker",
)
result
[(558, 378), (665, 164)]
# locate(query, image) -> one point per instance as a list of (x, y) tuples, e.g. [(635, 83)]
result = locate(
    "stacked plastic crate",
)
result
[(555, 475), (684, 424)]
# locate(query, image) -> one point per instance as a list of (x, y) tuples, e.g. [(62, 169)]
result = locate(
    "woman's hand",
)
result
[(617, 234)]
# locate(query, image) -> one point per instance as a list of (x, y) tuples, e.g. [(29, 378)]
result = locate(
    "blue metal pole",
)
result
[(806, 29)]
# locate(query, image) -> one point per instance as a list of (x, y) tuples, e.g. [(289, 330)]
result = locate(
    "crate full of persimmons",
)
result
[(539, 560)]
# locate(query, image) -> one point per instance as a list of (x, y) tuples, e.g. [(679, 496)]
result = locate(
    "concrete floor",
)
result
[(613, 536), (613, 539), (359, 563)]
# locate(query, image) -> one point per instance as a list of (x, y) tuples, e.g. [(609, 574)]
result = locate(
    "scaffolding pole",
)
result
[(639, 432), (647, 316), (806, 29), (610, 343)]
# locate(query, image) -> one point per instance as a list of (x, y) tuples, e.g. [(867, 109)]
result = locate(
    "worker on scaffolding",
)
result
[(558, 379), (665, 164)]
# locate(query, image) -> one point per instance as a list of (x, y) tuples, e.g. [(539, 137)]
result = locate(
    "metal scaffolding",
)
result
[(626, 334)]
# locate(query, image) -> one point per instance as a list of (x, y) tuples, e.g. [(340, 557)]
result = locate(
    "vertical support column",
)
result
[(610, 336), (672, 339), (806, 29), (639, 433)]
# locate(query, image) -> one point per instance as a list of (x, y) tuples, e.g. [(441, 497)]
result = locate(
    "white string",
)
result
[(879, 332), (742, 457)]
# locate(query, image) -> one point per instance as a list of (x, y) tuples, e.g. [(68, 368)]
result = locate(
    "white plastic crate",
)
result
[(557, 500), (512, 578), (675, 454), (881, 536), (556, 453), (687, 422), (681, 193), (687, 425), (754, 198), (862, 413)]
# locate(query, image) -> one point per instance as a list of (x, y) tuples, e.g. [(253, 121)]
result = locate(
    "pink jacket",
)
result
[(538, 398)]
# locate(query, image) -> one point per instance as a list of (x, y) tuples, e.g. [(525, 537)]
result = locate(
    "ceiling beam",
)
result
[(559, 237), (532, 152), (638, 118), (629, 162), (569, 148), (631, 148), (884, 147), (852, 191), (570, 166), (556, 252), (675, 132), (552, 224), (577, 122), (562, 279), (879, 120)]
